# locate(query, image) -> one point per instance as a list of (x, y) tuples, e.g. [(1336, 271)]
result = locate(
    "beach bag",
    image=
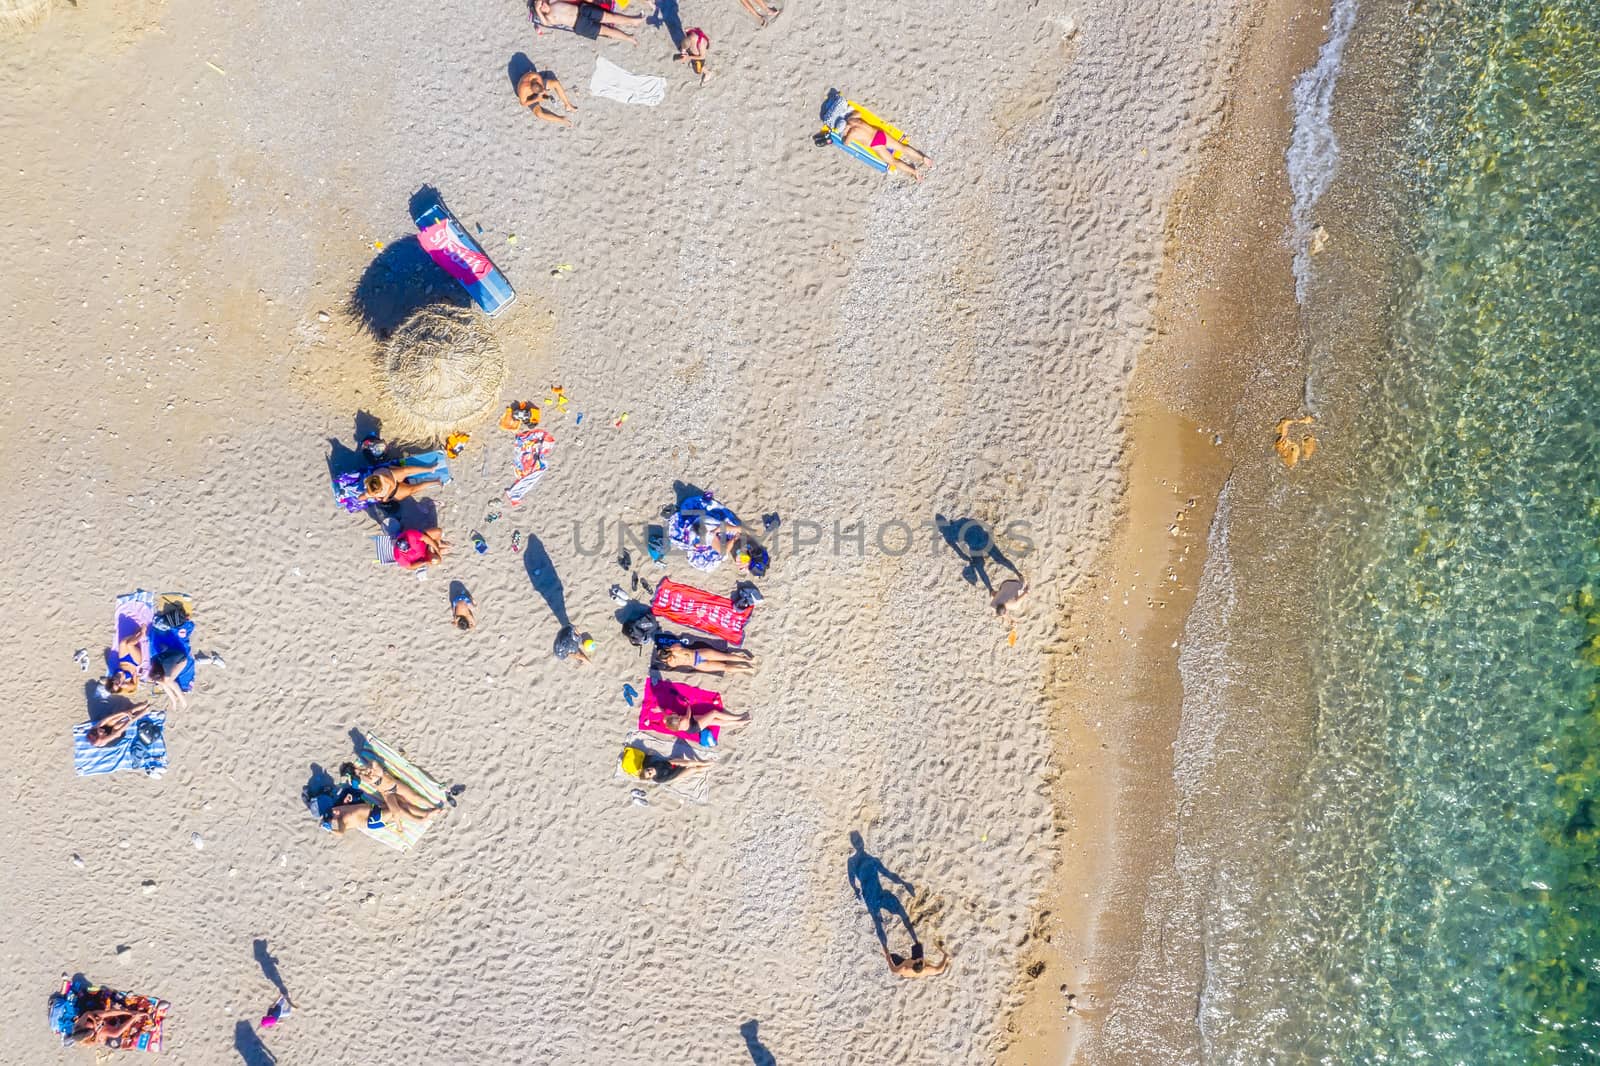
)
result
[(641, 630), (632, 762), (63, 1012)]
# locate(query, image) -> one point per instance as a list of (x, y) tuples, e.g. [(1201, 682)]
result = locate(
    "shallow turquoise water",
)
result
[(1442, 903)]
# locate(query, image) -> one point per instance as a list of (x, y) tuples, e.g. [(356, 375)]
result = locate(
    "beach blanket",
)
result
[(614, 83), (450, 246), (532, 460), (662, 698), (164, 639), (78, 996), (132, 752), (705, 611), (693, 788), (402, 769), (347, 487), (681, 529), (135, 610)]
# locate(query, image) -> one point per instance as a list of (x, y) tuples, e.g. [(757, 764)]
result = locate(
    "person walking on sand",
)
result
[(586, 20), (696, 45), (915, 965), (535, 90)]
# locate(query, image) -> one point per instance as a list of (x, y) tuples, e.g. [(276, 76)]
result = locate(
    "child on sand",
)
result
[(696, 45), (535, 90), (461, 609)]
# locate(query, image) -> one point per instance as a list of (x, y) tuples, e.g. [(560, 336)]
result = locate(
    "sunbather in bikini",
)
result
[(391, 484), (586, 20), (534, 91), (698, 657), (858, 132), (110, 729)]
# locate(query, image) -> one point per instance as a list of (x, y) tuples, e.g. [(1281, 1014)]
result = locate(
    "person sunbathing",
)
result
[(123, 680), (534, 91), (110, 729), (419, 547), (105, 1027), (662, 770), (699, 722), (584, 19), (857, 131), (386, 802), (391, 484), (698, 657)]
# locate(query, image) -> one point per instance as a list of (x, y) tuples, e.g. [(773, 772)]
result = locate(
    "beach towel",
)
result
[(533, 447), (614, 83), (78, 996), (694, 788), (681, 529), (450, 246), (662, 698), (132, 752), (705, 611), (165, 639), (402, 769)]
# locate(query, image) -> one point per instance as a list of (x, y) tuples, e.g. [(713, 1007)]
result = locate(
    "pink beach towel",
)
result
[(662, 698), (705, 611)]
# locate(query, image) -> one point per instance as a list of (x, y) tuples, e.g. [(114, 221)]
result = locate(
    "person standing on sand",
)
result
[(915, 965), (573, 649), (534, 90)]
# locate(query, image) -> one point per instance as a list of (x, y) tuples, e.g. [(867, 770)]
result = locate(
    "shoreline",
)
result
[(1225, 307)]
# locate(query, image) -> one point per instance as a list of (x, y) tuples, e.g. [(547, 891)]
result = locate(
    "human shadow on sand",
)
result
[(867, 875), (546, 582), (250, 1047), (975, 543), (759, 1055), (269, 964)]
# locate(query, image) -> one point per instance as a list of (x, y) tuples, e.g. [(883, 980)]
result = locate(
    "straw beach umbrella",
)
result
[(443, 369), (18, 15)]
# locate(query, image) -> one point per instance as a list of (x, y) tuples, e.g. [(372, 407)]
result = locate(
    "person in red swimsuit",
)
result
[(893, 151), (419, 547), (696, 45)]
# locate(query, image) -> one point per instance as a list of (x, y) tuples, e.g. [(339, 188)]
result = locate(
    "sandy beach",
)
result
[(200, 192)]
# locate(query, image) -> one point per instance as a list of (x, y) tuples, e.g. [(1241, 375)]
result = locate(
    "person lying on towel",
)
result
[(107, 1027), (110, 729), (586, 20), (697, 657), (123, 680), (662, 770), (391, 484), (698, 722)]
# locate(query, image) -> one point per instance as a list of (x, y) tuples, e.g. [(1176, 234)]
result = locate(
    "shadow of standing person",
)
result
[(759, 1055), (250, 1047), (974, 542), (867, 875)]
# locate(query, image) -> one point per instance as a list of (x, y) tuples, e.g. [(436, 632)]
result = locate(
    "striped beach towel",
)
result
[(402, 769)]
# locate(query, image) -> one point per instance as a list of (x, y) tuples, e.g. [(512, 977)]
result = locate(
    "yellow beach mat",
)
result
[(402, 769), (875, 122)]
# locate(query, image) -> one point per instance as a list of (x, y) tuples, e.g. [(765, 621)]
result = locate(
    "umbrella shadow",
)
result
[(398, 283)]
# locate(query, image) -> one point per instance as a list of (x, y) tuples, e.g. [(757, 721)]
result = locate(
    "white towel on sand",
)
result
[(614, 83)]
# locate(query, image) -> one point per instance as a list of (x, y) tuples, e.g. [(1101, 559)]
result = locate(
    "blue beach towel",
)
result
[(129, 753), (164, 639), (347, 486)]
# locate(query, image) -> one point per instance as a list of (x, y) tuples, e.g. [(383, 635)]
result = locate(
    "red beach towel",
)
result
[(705, 611)]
